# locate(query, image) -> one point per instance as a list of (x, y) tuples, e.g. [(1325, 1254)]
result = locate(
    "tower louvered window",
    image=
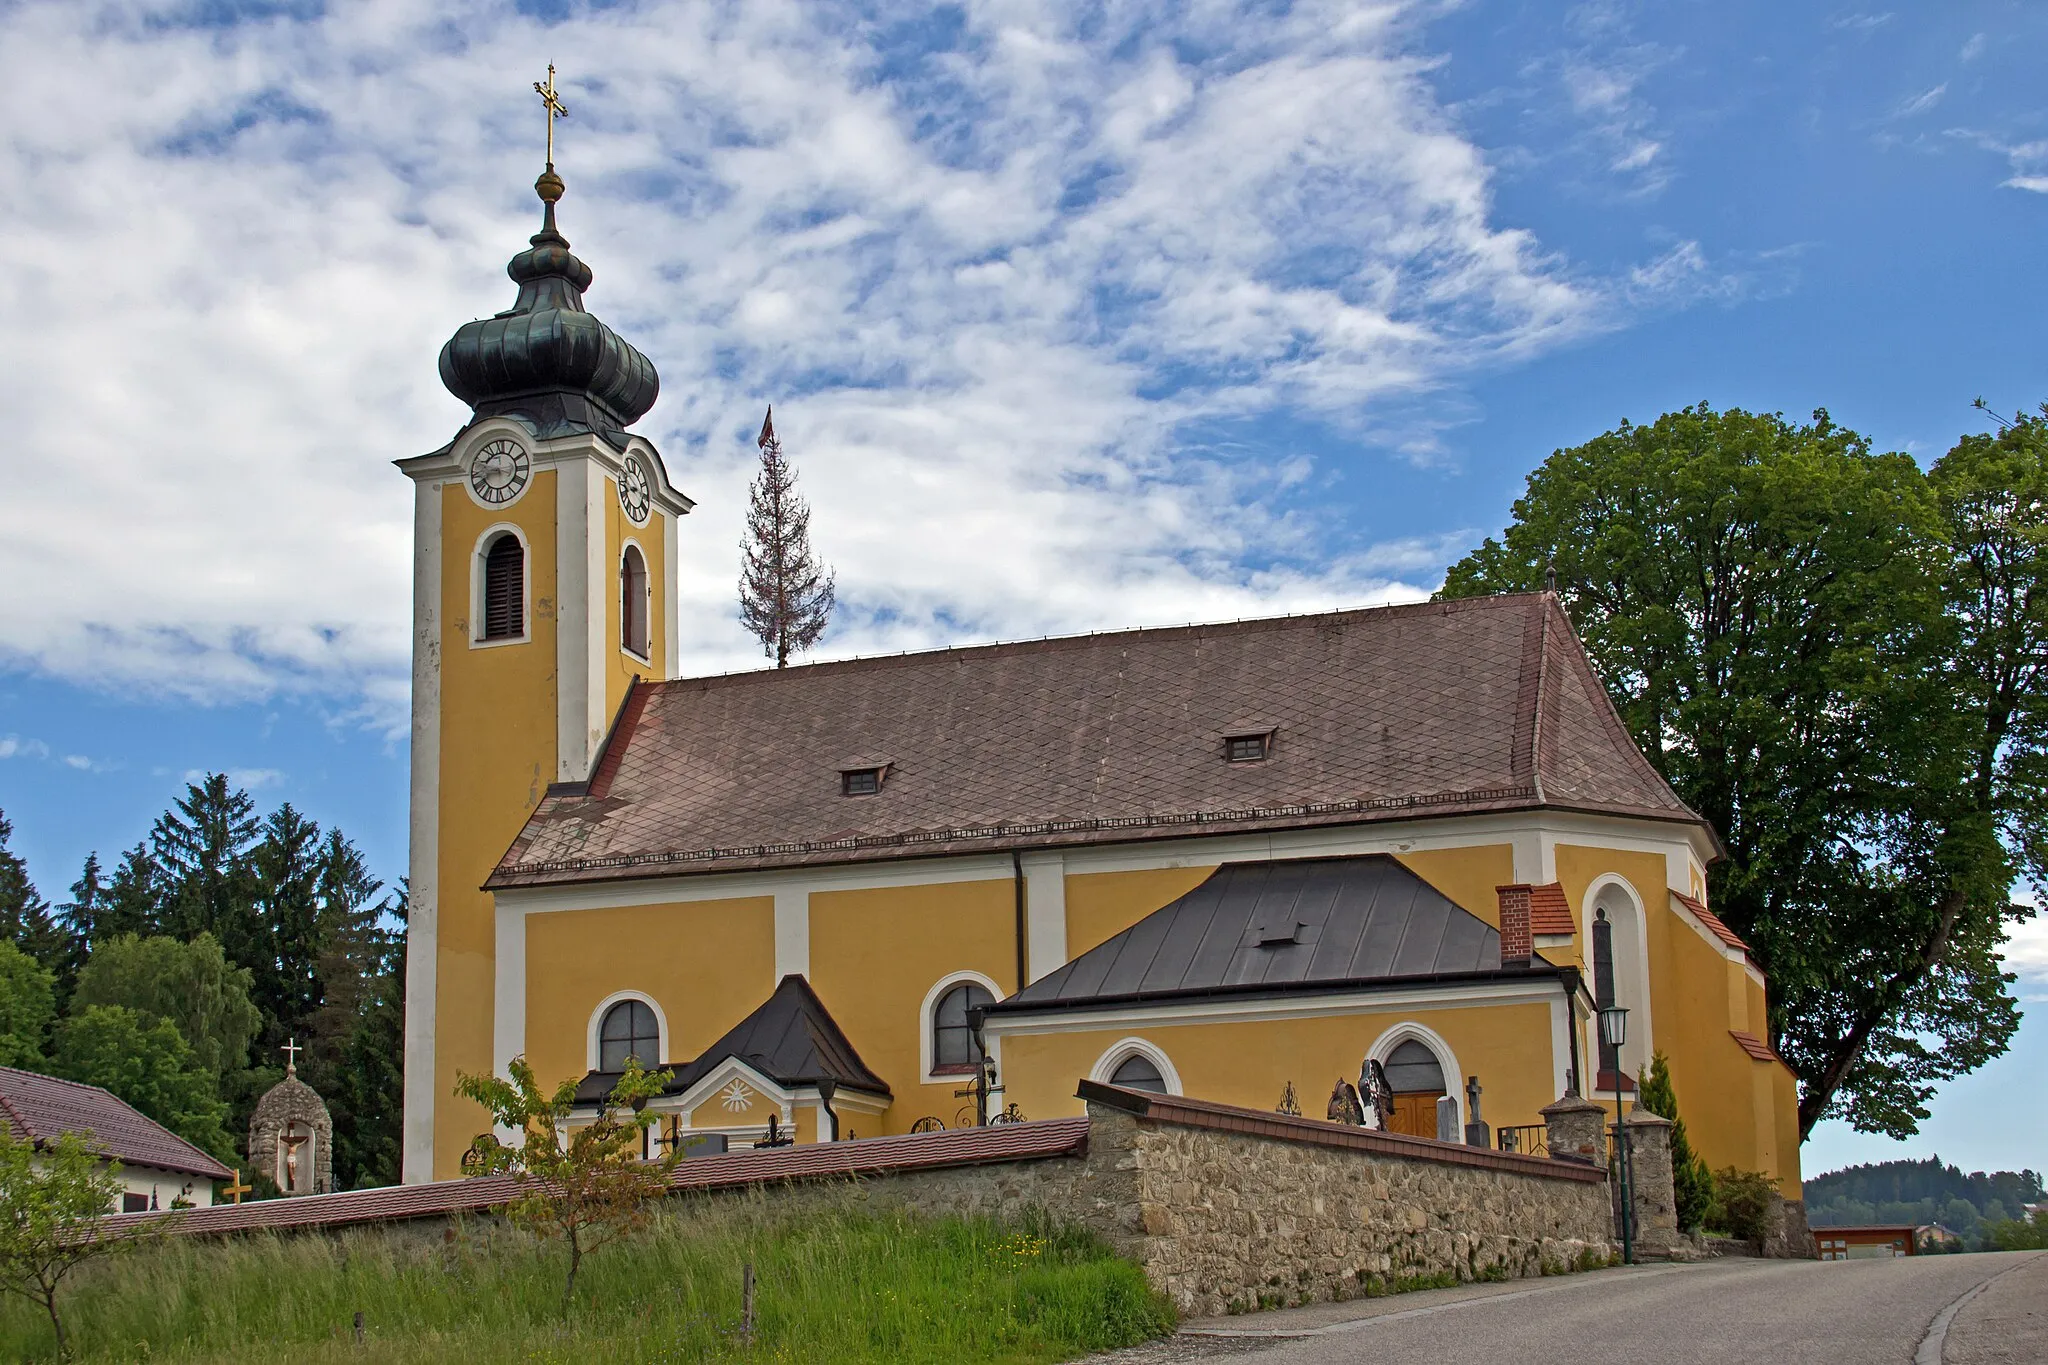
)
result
[(633, 601), (505, 589)]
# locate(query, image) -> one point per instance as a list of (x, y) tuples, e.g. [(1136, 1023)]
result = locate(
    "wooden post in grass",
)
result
[(359, 1327), (747, 1303)]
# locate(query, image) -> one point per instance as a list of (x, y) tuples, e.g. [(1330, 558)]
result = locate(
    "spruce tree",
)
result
[(25, 918), (786, 595), (1691, 1180)]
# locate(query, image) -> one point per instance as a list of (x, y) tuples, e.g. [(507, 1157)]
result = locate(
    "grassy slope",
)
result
[(838, 1282)]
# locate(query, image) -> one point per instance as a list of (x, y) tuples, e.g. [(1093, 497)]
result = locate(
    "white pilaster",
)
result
[(1045, 913), (423, 865), (792, 932), (572, 619)]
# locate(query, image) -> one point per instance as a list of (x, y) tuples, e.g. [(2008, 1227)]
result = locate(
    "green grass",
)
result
[(837, 1281)]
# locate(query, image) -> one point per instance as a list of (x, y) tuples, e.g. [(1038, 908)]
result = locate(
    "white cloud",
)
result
[(14, 746), (992, 290), (1920, 103), (1974, 48), (2026, 954), (248, 779)]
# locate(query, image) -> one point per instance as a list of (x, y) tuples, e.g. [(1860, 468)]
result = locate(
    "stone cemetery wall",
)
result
[(1225, 1208)]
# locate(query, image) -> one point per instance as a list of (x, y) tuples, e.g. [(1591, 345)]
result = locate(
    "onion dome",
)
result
[(545, 359)]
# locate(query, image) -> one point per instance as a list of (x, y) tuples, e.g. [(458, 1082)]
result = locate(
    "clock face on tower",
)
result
[(498, 473), (633, 495)]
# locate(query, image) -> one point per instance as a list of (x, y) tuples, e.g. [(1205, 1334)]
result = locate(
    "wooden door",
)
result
[(1415, 1114)]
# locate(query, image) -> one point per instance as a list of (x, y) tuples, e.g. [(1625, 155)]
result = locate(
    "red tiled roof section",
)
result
[(1753, 1045), (1037, 1141), (42, 1108), (1479, 704), (1549, 912), (1711, 920)]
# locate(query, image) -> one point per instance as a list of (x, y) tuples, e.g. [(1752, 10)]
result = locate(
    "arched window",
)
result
[(633, 601), (629, 1030), (1413, 1069), (1136, 1072), (952, 1038), (504, 589)]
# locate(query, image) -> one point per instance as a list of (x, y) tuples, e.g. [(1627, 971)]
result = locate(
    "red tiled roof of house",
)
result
[(1711, 920), (1439, 708), (42, 1108), (1549, 912), (855, 1157), (1753, 1045)]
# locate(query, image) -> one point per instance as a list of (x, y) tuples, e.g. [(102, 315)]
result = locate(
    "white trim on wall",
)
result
[(927, 1026), (792, 932), (508, 1014), (1123, 1049), (671, 640), (422, 948), (1409, 1030), (1173, 1014), (476, 586), (590, 1040), (572, 619), (1045, 917)]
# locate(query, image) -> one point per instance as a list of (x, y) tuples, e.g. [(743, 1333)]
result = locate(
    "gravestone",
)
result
[(1446, 1119), (291, 1135)]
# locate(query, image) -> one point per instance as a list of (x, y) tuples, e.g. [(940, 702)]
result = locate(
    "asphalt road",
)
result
[(1719, 1311)]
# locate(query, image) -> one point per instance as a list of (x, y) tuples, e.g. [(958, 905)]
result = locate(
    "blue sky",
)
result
[(1074, 317)]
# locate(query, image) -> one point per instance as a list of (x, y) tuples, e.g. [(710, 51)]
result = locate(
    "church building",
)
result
[(883, 895)]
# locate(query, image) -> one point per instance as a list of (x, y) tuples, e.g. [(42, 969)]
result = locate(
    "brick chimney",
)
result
[(1515, 947)]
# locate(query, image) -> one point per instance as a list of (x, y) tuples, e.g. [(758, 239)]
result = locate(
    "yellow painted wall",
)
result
[(1731, 1103), (1469, 876), (1249, 1063), (875, 954), (497, 757), (708, 964), (1101, 905)]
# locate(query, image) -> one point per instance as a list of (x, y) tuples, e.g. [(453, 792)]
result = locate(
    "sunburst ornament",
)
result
[(736, 1096)]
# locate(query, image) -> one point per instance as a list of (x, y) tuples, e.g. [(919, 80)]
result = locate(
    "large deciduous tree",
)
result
[(145, 1061), (786, 595), (193, 985), (1836, 658)]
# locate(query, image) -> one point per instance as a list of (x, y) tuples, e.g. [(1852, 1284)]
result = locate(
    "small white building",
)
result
[(157, 1166)]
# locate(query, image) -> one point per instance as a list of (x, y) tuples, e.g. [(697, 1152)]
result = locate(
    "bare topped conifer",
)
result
[(785, 593)]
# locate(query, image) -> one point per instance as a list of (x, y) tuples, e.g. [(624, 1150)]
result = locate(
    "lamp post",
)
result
[(1614, 1032)]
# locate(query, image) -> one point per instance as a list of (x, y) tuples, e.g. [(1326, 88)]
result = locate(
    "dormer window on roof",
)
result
[(862, 781), (1249, 748)]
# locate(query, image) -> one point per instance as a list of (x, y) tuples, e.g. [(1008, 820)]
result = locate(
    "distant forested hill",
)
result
[(1919, 1192)]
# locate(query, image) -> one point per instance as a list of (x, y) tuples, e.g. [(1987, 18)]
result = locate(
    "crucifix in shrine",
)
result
[(555, 109)]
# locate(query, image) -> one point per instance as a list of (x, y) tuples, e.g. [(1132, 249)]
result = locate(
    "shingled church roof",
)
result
[(1296, 923), (1440, 708)]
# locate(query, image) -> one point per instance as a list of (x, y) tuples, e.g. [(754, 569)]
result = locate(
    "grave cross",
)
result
[(238, 1189)]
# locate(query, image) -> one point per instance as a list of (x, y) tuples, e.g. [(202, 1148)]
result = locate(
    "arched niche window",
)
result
[(504, 594), (1416, 1077), (629, 1030), (952, 1037), (1137, 1072), (633, 601)]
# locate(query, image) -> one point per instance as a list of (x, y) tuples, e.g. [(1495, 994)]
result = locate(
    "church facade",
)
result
[(881, 895)]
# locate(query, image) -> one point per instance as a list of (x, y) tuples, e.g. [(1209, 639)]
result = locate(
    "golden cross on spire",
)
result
[(556, 109)]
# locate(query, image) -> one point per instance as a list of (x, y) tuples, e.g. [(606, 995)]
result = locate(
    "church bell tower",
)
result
[(544, 571)]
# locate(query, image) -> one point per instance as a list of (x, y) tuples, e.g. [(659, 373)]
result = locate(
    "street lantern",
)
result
[(1614, 1025), (1614, 1032)]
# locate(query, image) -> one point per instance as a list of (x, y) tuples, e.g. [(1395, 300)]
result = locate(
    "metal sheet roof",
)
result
[(1291, 922), (791, 1038)]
